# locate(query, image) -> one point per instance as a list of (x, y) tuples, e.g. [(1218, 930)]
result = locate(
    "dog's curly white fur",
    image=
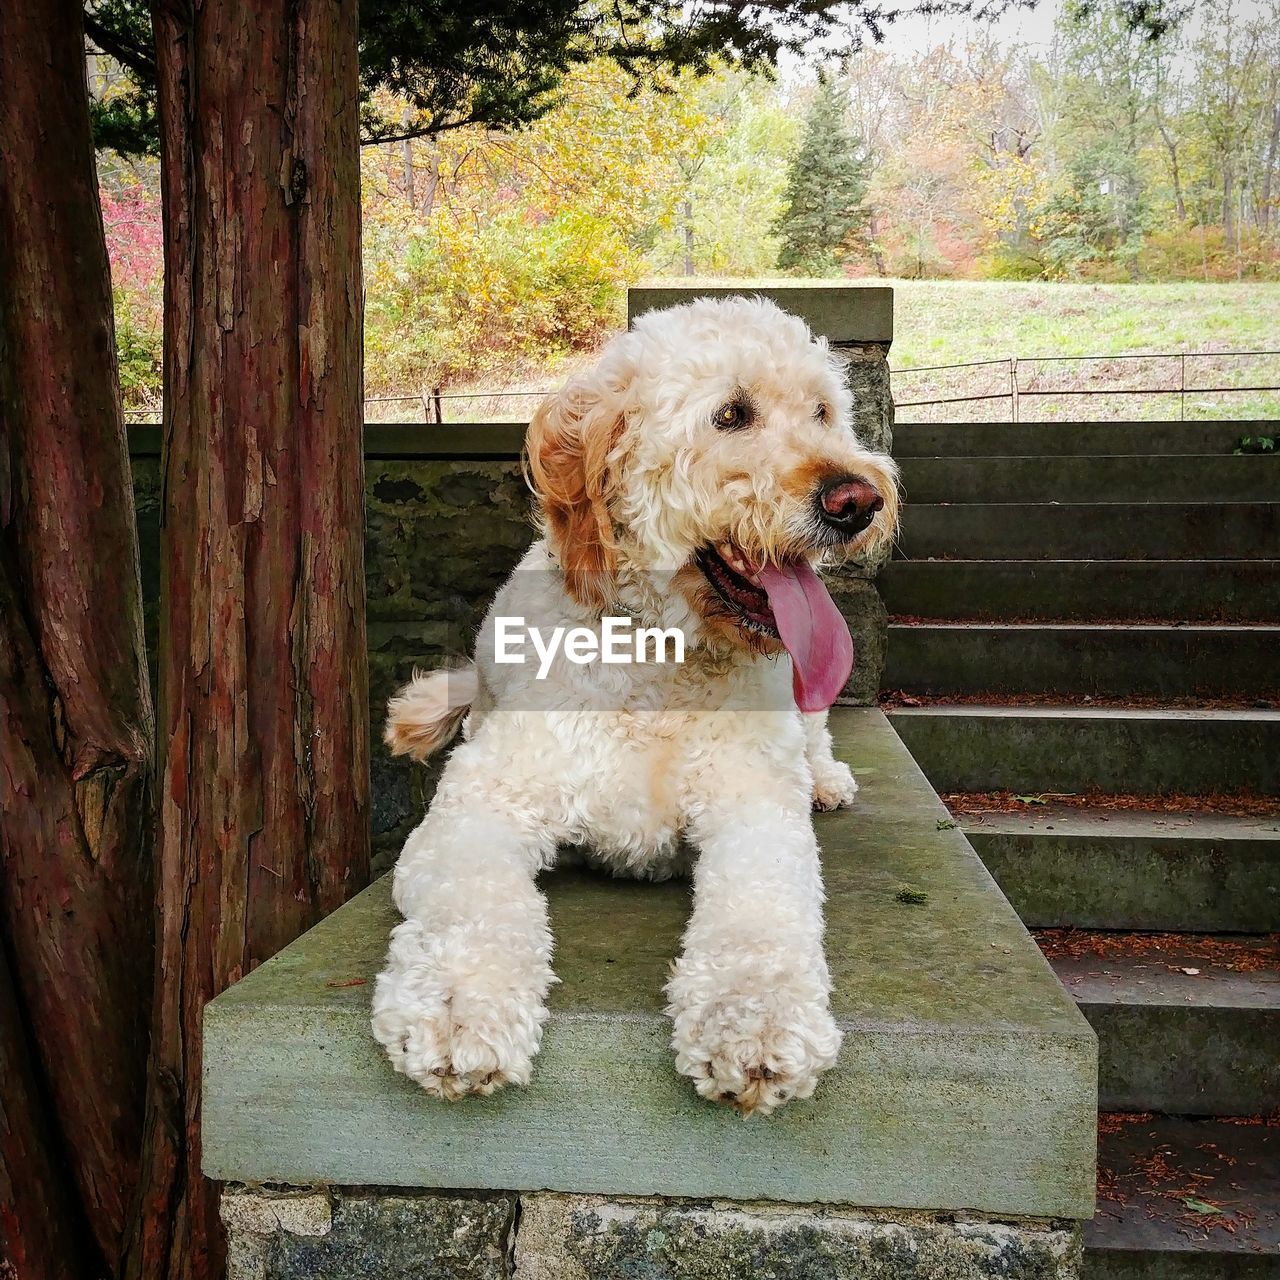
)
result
[(706, 766)]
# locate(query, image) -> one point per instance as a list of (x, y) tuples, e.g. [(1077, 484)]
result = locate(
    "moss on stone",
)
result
[(367, 1235)]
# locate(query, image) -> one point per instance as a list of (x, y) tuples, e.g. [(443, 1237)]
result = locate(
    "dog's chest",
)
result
[(640, 782)]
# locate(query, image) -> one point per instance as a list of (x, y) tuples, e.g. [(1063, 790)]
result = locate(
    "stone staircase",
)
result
[(1084, 658)]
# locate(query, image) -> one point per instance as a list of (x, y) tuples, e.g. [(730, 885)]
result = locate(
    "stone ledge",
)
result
[(967, 1080), (845, 312)]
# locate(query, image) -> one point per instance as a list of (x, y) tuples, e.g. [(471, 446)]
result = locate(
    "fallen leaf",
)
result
[(347, 982), (1200, 1206), (1031, 799)]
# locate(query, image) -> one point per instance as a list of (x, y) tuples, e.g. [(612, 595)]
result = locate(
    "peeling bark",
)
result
[(76, 724), (264, 790)]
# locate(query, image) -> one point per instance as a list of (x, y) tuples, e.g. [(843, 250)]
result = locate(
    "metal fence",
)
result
[(1170, 386)]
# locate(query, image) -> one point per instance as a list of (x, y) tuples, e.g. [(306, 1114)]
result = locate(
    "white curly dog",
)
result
[(692, 479)]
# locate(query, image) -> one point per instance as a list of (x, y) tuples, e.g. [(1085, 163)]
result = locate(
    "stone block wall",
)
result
[(385, 1234)]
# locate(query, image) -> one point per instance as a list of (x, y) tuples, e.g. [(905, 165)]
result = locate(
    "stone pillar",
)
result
[(857, 320)]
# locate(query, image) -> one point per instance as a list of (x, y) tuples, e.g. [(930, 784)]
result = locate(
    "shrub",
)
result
[(1008, 262), (1200, 253), (139, 350), (135, 249), (452, 300)]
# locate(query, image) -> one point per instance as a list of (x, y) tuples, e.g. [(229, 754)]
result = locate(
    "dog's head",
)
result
[(714, 441)]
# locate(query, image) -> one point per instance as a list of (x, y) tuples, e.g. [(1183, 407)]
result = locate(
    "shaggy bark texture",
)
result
[(76, 724), (263, 668)]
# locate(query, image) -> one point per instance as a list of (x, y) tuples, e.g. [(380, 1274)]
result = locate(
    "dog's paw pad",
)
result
[(833, 786)]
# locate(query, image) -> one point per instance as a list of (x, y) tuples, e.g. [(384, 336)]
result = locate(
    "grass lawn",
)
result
[(950, 322), (945, 322)]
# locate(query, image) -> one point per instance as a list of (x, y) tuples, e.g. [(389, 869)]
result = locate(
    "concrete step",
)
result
[(1136, 478), (966, 1079), (1187, 1024), (1085, 749), (1089, 439), (1159, 1180), (1092, 531), (1083, 590), (1068, 660), (1110, 868)]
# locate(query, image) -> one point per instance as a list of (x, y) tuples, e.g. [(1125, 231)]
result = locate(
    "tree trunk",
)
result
[(1175, 169), (1229, 206), (433, 180), (76, 723), (263, 667), (877, 253), (39, 1230), (406, 159), (686, 211), (1267, 215)]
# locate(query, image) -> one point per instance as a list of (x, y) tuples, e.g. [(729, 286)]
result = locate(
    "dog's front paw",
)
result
[(833, 785), (452, 1057), (754, 1050), (456, 1037)]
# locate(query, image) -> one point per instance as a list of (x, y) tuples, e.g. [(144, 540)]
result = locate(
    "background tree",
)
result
[(1230, 50), (76, 724), (744, 137), (826, 187), (1106, 121)]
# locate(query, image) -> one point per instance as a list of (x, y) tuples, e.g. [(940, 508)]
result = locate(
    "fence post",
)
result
[(1182, 394), (1013, 388)]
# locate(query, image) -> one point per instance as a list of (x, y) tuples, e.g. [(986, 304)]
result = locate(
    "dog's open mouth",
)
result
[(787, 601), (736, 580)]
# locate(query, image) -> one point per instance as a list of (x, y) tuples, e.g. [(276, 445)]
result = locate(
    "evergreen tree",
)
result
[(825, 214)]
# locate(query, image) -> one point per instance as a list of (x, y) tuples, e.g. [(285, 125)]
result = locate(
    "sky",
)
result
[(1022, 26), (1029, 27)]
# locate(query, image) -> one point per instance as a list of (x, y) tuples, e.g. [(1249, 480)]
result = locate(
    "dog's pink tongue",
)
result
[(814, 631)]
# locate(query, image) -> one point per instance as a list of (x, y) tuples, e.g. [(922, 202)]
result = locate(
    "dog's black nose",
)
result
[(848, 504)]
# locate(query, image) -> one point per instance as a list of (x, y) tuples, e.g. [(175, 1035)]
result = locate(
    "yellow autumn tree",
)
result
[(489, 254)]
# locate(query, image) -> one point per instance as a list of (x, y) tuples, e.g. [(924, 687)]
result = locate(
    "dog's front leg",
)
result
[(749, 995), (833, 783), (460, 1004)]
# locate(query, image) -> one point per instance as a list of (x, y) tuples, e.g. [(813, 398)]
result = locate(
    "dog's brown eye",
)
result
[(730, 416)]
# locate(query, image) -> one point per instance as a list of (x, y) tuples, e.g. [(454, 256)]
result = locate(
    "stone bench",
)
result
[(957, 1130)]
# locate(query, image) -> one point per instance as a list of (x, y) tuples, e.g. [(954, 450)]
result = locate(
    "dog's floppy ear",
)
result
[(568, 443)]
